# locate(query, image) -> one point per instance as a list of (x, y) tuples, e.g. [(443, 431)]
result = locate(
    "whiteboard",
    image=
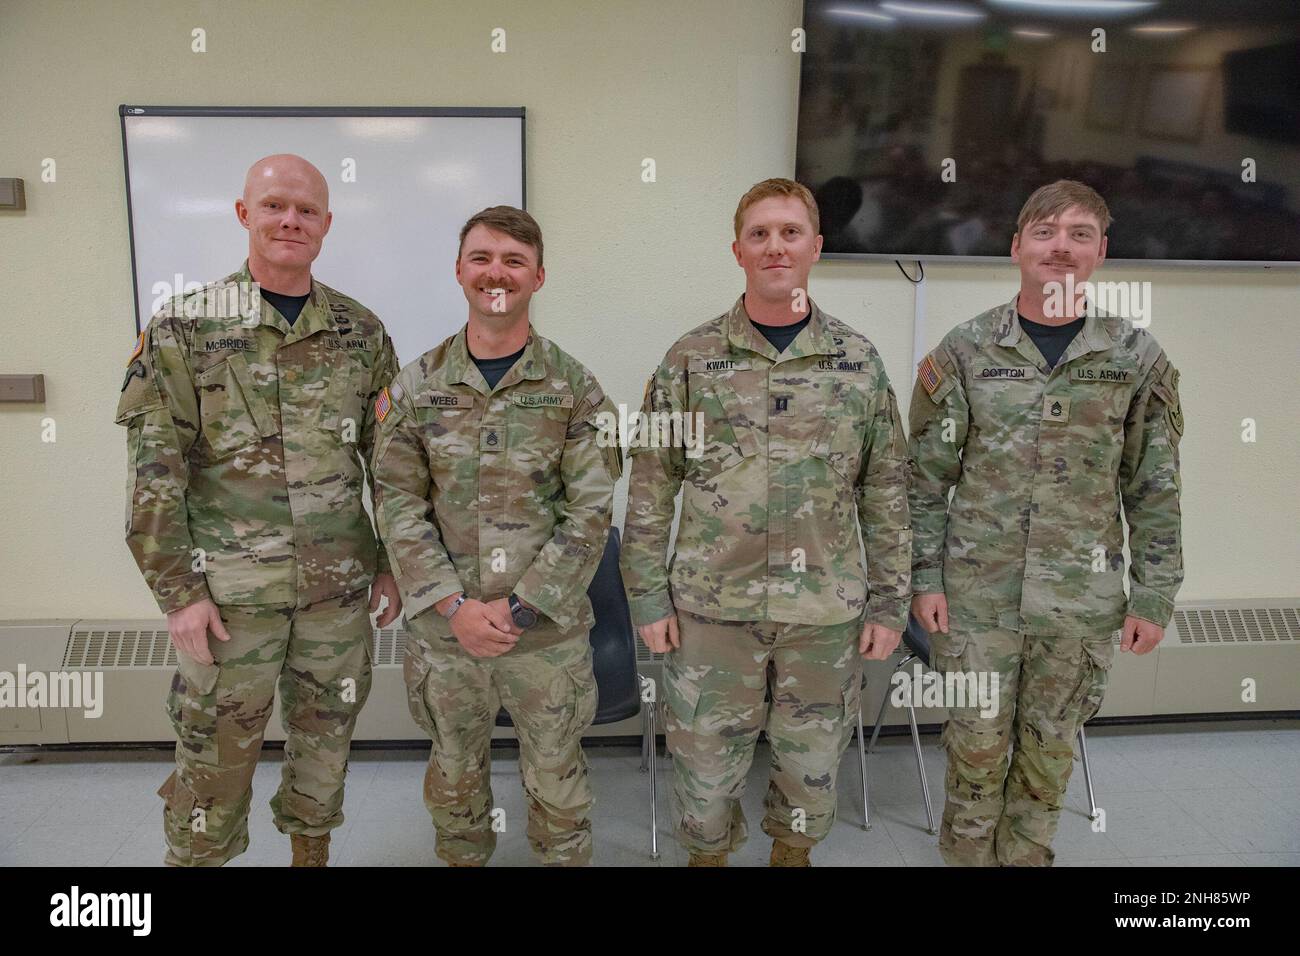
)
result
[(419, 174)]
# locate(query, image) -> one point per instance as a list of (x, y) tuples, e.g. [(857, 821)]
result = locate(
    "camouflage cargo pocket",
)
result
[(343, 412), (232, 411), (192, 707), (681, 694), (947, 651), (1098, 655), (584, 697), (563, 713), (415, 673), (368, 642), (727, 438), (851, 699), (839, 444)]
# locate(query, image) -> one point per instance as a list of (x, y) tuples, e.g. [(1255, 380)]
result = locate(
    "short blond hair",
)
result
[(1048, 202), (778, 187)]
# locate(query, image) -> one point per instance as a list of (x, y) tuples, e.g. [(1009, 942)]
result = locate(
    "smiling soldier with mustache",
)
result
[(494, 494), (1046, 425)]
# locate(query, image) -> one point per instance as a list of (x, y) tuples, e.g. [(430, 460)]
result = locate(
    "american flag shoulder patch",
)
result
[(929, 374), (139, 347), (383, 405)]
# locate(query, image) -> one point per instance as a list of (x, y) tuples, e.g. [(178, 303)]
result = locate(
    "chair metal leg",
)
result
[(920, 768), (645, 739), (649, 756), (880, 715), (654, 785), (862, 769), (1087, 774)]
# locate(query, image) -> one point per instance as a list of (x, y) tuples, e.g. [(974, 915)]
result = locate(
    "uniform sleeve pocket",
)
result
[(1166, 389)]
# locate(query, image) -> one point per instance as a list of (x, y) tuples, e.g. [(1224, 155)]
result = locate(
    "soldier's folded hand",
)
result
[(1140, 637), (385, 585), (502, 607), (482, 629), (878, 642), (189, 628), (931, 610), (662, 635)]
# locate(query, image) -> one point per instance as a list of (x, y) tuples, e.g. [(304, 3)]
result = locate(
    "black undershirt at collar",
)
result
[(1052, 340), (289, 306), (780, 336), (494, 369)]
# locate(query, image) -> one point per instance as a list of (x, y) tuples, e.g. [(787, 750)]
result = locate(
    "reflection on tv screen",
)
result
[(925, 125)]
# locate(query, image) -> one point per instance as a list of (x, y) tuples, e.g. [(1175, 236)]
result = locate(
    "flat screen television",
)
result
[(925, 124)]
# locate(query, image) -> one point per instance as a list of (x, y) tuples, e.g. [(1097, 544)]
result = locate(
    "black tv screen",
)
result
[(924, 125)]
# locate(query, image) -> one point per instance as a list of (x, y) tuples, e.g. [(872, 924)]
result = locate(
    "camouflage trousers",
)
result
[(730, 680), (550, 694), (320, 656), (1004, 810)]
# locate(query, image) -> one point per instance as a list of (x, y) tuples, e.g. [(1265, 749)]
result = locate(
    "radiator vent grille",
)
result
[(99, 645), (645, 656), (1237, 625), (390, 646), (99, 648)]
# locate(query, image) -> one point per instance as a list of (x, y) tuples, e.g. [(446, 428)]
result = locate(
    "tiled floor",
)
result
[(1193, 795)]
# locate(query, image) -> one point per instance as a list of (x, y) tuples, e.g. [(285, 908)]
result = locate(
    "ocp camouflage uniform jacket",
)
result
[(246, 439), (800, 450), (490, 491), (1041, 460)]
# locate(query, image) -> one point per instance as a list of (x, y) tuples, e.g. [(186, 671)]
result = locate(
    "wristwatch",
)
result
[(525, 617), (455, 606)]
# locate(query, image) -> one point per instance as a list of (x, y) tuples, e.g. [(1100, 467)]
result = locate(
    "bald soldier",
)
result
[(494, 490), (248, 408), (1047, 417), (791, 446)]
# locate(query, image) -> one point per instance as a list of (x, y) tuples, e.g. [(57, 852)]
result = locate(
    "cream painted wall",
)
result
[(706, 88)]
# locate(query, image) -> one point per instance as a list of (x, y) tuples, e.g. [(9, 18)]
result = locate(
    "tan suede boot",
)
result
[(310, 850), (783, 854), (707, 859)]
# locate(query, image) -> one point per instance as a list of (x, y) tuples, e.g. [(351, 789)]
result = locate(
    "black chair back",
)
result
[(917, 640), (613, 643)]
